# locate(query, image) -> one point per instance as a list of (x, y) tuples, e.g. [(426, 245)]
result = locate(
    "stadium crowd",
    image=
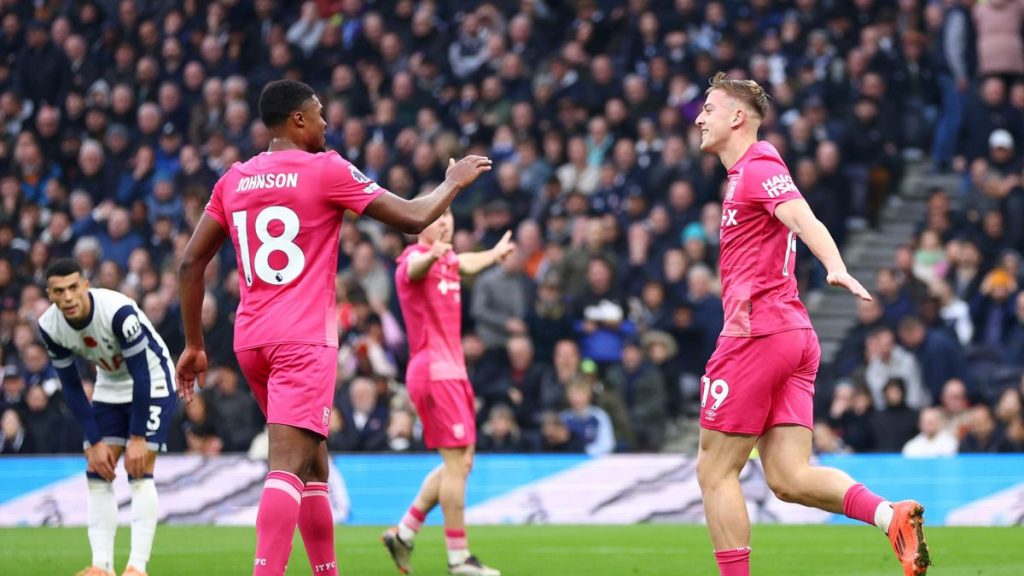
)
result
[(117, 117)]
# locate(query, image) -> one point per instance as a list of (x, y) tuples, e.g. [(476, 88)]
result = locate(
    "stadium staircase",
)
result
[(867, 251)]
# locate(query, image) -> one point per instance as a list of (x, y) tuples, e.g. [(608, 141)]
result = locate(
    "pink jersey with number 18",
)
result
[(283, 211), (758, 252)]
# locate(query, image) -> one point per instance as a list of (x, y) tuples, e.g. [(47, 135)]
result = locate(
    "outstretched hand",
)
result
[(191, 370), (844, 280), (439, 248), (465, 171), (504, 247)]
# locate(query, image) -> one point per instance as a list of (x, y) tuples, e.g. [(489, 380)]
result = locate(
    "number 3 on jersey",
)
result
[(295, 259)]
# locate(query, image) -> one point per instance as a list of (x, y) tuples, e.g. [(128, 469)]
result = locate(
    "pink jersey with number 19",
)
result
[(283, 211), (758, 252)]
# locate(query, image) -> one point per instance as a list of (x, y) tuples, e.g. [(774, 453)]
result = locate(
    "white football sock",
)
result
[(883, 516), (405, 533), (144, 517), (458, 556), (101, 515)]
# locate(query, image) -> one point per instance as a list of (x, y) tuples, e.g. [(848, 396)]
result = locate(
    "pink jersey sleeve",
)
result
[(215, 207), (769, 183), (402, 270), (345, 186)]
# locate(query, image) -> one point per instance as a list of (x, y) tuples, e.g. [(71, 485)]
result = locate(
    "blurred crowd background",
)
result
[(117, 117)]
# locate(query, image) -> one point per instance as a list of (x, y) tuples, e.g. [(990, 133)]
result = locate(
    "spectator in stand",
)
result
[(218, 333), (500, 303), (548, 320), (955, 313), (501, 434), (956, 407), (37, 370), (1000, 47), (14, 438), (193, 429), (364, 418), (402, 436), (236, 412), (984, 433), (662, 349), (642, 388), (994, 315), (852, 348), (938, 354), (600, 316), (896, 423), (986, 114), (42, 421), (556, 437), (371, 275), (118, 241), (586, 421), (519, 386), (707, 308), (12, 388), (934, 439), (893, 295), (886, 361), (952, 55), (850, 415), (43, 74), (825, 440)]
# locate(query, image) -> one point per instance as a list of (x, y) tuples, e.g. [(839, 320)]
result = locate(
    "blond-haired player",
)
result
[(758, 387)]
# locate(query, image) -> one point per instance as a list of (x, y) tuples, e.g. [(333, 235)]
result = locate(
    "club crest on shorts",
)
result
[(459, 430), (327, 415)]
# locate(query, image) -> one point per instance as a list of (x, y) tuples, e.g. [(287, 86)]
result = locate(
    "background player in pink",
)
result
[(430, 294), (759, 384), (283, 210)]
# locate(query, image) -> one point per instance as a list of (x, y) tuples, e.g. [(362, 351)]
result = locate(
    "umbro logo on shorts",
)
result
[(327, 415), (710, 414), (459, 430)]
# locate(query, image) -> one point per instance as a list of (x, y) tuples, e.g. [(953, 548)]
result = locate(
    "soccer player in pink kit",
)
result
[(759, 384), (430, 294), (282, 211)]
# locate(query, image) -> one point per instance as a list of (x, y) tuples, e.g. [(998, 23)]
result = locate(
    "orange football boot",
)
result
[(906, 533), (95, 571)]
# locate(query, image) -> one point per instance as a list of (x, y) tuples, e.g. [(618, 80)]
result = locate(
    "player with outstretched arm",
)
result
[(132, 403), (283, 210), (758, 387), (428, 279)]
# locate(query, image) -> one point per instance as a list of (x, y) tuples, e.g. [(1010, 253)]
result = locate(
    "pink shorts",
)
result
[(293, 383), (753, 384), (447, 410)]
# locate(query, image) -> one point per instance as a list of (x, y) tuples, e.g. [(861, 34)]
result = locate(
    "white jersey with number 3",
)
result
[(116, 328)]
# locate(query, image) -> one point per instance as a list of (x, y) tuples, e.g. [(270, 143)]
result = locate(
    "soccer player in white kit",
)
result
[(132, 402)]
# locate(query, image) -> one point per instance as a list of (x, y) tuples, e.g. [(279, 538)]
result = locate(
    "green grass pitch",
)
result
[(538, 551)]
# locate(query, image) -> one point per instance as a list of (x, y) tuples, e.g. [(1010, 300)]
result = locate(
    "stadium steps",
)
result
[(834, 312)]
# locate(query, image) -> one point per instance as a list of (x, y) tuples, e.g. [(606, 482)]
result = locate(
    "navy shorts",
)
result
[(114, 422)]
